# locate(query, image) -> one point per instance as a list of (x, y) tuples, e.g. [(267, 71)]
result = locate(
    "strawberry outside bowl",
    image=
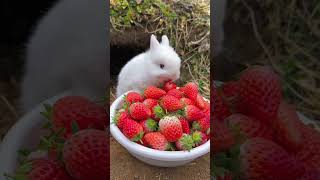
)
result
[(24, 134), (152, 156)]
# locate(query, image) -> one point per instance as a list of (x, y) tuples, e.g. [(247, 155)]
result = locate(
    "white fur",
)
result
[(67, 51), (219, 8), (144, 69)]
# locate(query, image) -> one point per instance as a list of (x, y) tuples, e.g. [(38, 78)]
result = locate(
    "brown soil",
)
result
[(124, 166)]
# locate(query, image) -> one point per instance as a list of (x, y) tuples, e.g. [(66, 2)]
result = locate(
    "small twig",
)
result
[(190, 72), (300, 49), (307, 71), (296, 93), (257, 35), (314, 112), (10, 107), (186, 60), (201, 39)]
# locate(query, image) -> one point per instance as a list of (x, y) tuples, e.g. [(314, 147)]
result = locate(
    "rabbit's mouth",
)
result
[(164, 79)]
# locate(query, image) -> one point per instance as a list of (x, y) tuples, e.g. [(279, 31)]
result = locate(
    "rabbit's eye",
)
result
[(161, 66)]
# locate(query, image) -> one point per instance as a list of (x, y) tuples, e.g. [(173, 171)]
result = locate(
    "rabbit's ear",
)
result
[(154, 43), (165, 40)]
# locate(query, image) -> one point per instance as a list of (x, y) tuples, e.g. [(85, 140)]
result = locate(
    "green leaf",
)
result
[(171, 147), (196, 136), (74, 127), (187, 142), (152, 124), (160, 113), (25, 168), (47, 113), (196, 125), (180, 112), (23, 155), (47, 125), (138, 137)]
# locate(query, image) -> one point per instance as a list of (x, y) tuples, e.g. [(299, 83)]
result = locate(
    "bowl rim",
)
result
[(148, 152)]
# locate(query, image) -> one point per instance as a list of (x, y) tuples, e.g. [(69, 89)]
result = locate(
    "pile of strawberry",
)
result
[(167, 118), (76, 148), (257, 135)]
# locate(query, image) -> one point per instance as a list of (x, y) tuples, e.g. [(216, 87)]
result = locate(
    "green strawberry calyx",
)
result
[(229, 161), (170, 147), (138, 137), (196, 125), (197, 137), (186, 142), (48, 110), (152, 125), (159, 112)]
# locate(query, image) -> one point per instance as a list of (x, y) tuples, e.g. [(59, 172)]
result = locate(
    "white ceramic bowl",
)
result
[(152, 156), (24, 134)]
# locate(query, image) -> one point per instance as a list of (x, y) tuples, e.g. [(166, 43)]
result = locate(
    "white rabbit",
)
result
[(68, 50), (153, 67), (218, 16)]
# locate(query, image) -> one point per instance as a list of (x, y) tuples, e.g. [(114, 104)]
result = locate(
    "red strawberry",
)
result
[(133, 130), (230, 89), (133, 97), (221, 109), (222, 137), (139, 111), (185, 143), (308, 133), (190, 90), (169, 85), (202, 124), (259, 93), (207, 112), (54, 154), (193, 113), (170, 103), (185, 125), (156, 140), (309, 154), (120, 118), (310, 174), (83, 112), (199, 138), (250, 127), (176, 93), (150, 103), (153, 92), (41, 169), (286, 127), (86, 155), (186, 101), (171, 128), (149, 125), (264, 159), (201, 103)]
